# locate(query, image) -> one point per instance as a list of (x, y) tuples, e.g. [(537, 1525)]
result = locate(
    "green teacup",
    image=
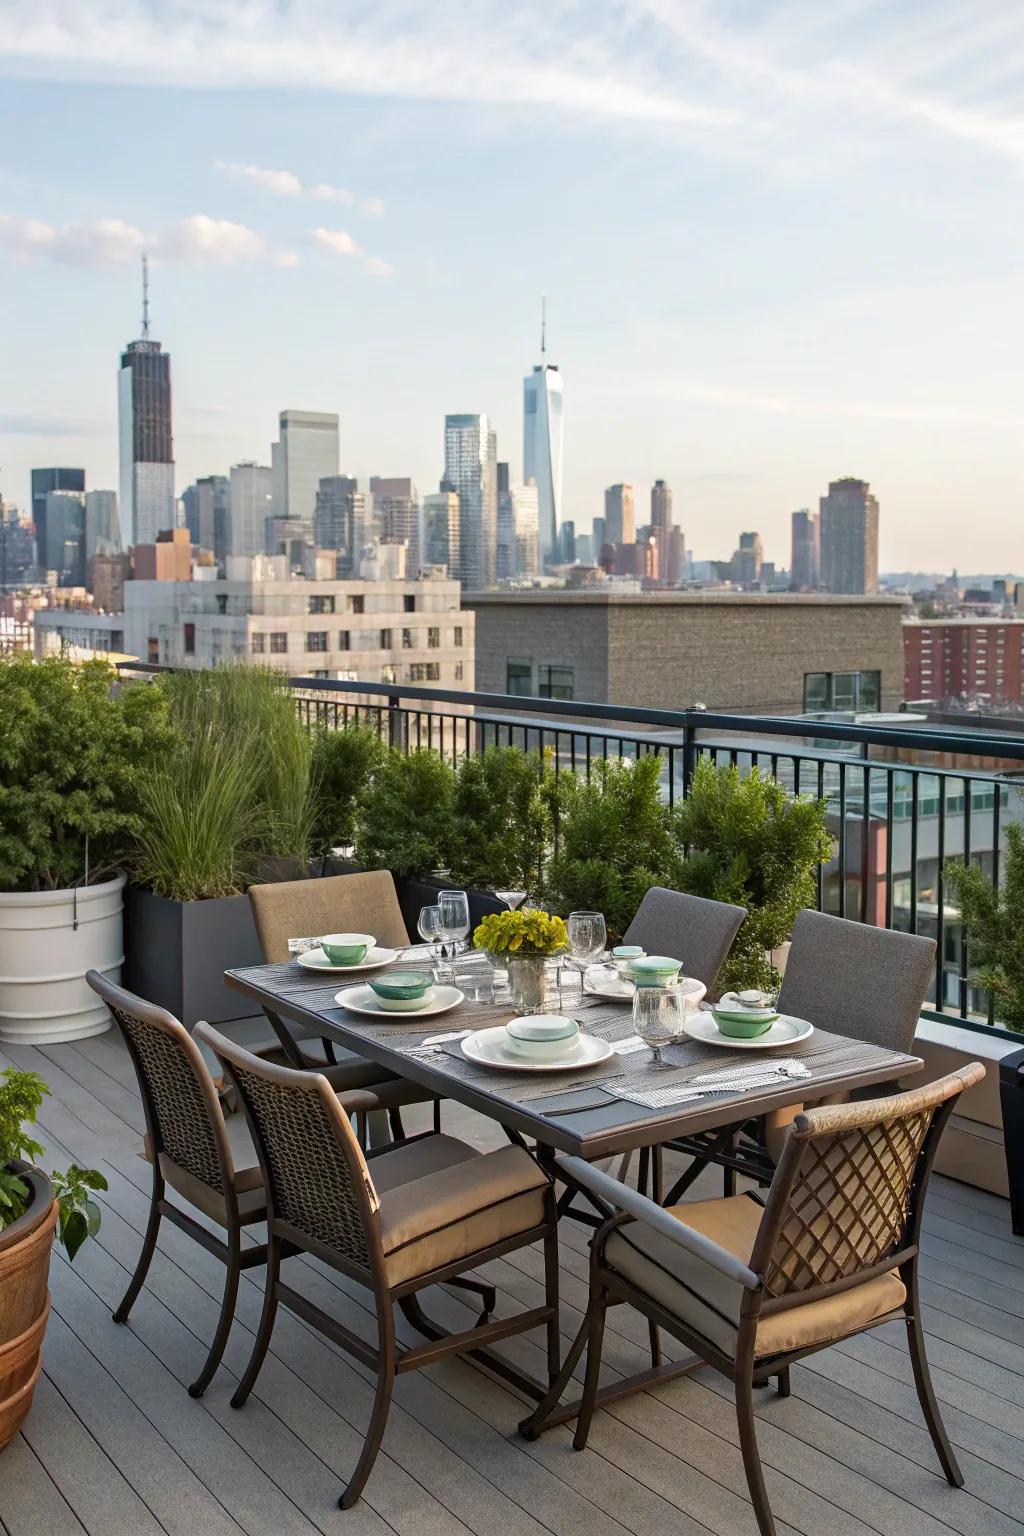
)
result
[(346, 948)]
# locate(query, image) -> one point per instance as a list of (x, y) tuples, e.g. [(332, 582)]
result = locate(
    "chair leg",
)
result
[(379, 1413), (751, 1457), (487, 1294), (227, 1317), (783, 1381), (262, 1341), (395, 1122), (551, 1280), (925, 1391), (657, 1175), (655, 1336), (595, 1341), (643, 1168), (138, 1280)]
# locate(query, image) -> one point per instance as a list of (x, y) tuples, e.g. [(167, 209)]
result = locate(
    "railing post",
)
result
[(689, 753), (396, 723)]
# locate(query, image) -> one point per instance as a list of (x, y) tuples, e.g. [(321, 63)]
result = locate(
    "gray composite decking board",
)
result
[(847, 1452), (30, 1501), (105, 1501)]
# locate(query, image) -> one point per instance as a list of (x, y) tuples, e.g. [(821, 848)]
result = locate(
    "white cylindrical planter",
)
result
[(44, 996)]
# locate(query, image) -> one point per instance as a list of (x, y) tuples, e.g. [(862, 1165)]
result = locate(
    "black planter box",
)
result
[(176, 953), (416, 891)]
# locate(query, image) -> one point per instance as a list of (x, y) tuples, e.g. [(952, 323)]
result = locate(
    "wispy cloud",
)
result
[(199, 240), (28, 424), (696, 392), (340, 243), (280, 183)]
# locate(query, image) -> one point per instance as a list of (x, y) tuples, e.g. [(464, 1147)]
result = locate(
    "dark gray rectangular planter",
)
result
[(176, 953)]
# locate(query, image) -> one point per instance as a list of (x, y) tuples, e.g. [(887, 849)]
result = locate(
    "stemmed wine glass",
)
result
[(428, 925), (512, 899), (658, 1014), (588, 936), (453, 927)]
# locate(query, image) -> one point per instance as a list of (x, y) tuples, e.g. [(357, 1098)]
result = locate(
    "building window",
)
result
[(519, 678), (153, 650), (555, 682), (222, 602), (457, 635), (842, 692), (406, 639), (259, 643), (344, 640), (458, 671), (358, 604), (433, 639), (190, 639), (425, 672), (316, 640), (385, 639), (388, 675), (278, 642), (409, 603), (319, 603)]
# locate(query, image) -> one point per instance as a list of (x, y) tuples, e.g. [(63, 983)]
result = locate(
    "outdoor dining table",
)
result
[(595, 1113)]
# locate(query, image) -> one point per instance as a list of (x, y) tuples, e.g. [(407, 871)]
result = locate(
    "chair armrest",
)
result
[(659, 1220)]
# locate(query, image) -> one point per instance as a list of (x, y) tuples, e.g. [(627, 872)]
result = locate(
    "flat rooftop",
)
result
[(594, 599)]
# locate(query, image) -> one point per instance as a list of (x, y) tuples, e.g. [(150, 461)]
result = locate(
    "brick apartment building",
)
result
[(951, 658)]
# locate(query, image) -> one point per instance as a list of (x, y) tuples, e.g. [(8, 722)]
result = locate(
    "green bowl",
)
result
[(653, 970), (346, 948), (403, 986), (739, 1028)]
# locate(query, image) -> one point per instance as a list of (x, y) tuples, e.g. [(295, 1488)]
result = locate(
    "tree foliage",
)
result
[(75, 751), (501, 821), (343, 767), (751, 842), (994, 923), (405, 819)]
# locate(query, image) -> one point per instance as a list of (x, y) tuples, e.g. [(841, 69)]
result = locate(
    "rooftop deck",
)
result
[(115, 1445)]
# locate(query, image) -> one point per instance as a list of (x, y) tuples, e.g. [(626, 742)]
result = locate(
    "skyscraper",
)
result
[(441, 531), (805, 552), (43, 482), (746, 561), (341, 521), (306, 453), (146, 449), (518, 529), (471, 470), (661, 529), (396, 510), (65, 536), (543, 444), (849, 537), (619, 515), (249, 500), (102, 529)]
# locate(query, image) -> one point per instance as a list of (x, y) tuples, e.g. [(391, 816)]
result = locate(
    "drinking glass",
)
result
[(658, 1014), (454, 922), (428, 925), (587, 939), (512, 899)]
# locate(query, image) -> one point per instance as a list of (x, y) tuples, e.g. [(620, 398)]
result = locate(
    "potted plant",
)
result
[(751, 842), (75, 754), (32, 1206), (614, 841), (522, 942), (229, 804), (501, 821), (994, 927)]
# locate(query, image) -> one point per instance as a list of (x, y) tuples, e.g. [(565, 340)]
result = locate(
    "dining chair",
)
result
[(692, 929), (752, 1288), (402, 1218), (846, 977), (362, 902)]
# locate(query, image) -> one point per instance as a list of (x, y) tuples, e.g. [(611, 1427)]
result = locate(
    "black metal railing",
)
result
[(902, 799)]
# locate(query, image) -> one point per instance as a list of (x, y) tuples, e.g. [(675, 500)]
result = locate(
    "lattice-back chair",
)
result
[(849, 978), (208, 1161), (364, 902), (833, 1252), (397, 1220), (692, 929)]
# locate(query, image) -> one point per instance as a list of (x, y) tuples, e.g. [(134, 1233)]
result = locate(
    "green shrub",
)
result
[(994, 924), (752, 843), (405, 819), (75, 752), (344, 764), (615, 840), (501, 821)]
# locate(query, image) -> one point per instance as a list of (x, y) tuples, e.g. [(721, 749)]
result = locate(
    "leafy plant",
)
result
[(501, 821), (405, 820), (75, 752), (21, 1094), (343, 767), (753, 843), (994, 923), (527, 932), (615, 840)]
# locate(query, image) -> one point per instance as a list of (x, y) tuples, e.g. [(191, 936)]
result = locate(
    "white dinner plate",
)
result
[(316, 960), (598, 983), (363, 999), (490, 1048), (785, 1031)]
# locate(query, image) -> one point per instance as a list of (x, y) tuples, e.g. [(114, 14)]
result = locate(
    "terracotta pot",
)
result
[(24, 1300)]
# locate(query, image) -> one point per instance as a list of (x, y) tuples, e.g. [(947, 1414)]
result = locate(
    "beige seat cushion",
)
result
[(248, 1177), (442, 1201), (707, 1302), (363, 902)]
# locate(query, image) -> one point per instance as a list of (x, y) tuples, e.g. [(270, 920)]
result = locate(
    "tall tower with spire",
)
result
[(543, 442), (145, 441)]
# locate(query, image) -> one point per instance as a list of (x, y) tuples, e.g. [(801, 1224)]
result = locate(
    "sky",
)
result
[(781, 241)]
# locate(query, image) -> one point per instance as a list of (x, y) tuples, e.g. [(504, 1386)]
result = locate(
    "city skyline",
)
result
[(666, 168)]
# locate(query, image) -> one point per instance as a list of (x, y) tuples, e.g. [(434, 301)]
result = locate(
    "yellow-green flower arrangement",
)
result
[(522, 933)]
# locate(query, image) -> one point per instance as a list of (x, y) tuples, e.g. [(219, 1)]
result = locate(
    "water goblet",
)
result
[(428, 925), (588, 936), (454, 924), (658, 1015)]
